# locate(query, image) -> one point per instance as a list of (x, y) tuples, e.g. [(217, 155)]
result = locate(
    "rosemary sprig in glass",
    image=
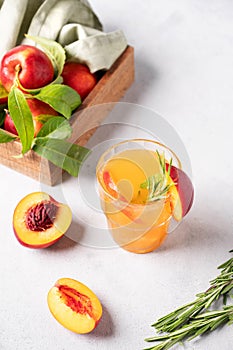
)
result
[(158, 185), (188, 321)]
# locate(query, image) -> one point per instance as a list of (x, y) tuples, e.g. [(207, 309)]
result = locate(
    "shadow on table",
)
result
[(197, 234), (71, 237), (105, 328)]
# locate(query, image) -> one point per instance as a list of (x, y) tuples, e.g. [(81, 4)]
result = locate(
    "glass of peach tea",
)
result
[(142, 188)]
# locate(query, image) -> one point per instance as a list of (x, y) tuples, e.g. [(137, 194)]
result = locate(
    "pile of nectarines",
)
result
[(29, 68)]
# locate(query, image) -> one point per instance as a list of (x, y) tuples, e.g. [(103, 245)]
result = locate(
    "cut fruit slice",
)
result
[(74, 305), (181, 194), (39, 220), (125, 207)]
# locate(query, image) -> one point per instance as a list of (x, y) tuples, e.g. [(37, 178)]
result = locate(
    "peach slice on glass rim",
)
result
[(74, 305), (39, 220), (181, 194)]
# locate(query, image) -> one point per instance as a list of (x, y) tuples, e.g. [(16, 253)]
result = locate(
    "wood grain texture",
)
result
[(109, 89)]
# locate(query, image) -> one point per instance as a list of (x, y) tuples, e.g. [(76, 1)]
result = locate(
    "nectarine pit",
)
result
[(77, 301), (41, 216)]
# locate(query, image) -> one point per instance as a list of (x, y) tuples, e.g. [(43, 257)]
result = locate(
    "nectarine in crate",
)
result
[(110, 88)]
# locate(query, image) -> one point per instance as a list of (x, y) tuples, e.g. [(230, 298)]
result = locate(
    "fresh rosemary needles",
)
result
[(194, 318), (158, 184)]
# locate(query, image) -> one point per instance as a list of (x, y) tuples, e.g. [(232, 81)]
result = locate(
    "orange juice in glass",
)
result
[(138, 195)]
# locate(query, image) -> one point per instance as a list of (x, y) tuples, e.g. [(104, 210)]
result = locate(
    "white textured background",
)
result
[(184, 71)]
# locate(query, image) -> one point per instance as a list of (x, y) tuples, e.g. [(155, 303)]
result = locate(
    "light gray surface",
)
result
[(184, 71)]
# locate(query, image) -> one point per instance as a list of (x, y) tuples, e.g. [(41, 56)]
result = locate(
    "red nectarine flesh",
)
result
[(74, 305), (39, 220)]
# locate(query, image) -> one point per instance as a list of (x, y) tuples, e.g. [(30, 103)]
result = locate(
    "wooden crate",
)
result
[(110, 88)]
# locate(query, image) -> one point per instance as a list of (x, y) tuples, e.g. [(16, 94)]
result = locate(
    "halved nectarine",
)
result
[(181, 194), (39, 220), (74, 305)]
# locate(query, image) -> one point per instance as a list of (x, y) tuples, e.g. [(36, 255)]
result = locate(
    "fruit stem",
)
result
[(18, 68)]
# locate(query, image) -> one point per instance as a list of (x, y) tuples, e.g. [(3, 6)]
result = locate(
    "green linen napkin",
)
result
[(72, 23), (96, 49)]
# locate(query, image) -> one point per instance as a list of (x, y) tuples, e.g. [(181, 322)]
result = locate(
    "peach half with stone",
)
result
[(39, 220)]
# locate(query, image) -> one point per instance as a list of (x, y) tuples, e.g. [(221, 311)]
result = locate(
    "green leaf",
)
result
[(56, 128), (58, 80), (6, 137), (63, 154), (62, 98), (53, 49), (43, 118), (22, 118)]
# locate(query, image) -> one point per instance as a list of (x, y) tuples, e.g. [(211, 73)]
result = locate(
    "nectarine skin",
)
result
[(34, 67), (39, 220), (74, 305), (9, 124), (79, 78), (182, 193), (3, 95), (3, 100)]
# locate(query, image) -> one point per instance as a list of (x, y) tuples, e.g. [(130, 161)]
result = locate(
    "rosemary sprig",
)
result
[(220, 286), (193, 319), (157, 185), (198, 325)]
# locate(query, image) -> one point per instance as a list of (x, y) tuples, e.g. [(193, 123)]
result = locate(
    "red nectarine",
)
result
[(9, 125), (33, 66), (78, 77)]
